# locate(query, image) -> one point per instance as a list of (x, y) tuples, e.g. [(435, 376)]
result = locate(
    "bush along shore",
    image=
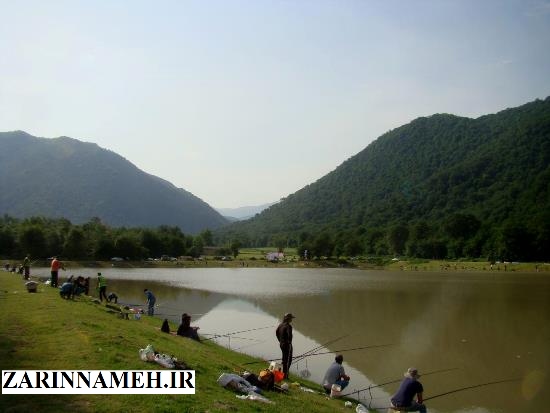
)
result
[(42, 331)]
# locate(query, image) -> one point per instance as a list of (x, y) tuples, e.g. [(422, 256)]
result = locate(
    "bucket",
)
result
[(31, 286), (274, 366), (335, 391), (278, 375)]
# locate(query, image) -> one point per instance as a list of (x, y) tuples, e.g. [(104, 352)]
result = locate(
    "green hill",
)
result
[(67, 178), (440, 186)]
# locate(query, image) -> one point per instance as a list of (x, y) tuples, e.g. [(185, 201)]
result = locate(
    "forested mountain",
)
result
[(440, 186), (67, 178)]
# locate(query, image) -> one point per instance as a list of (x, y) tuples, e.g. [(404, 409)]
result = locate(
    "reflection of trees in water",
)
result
[(490, 326), (172, 301), (473, 324)]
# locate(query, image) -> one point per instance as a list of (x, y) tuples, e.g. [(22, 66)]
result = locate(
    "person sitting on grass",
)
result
[(410, 387), (112, 298), (165, 326), (336, 375), (185, 329), (66, 290)]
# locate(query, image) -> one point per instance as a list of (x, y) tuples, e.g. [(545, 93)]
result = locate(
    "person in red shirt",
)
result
[(56, 265)]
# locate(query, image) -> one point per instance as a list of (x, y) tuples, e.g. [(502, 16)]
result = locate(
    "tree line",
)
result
[(461, 235), (45, 237)]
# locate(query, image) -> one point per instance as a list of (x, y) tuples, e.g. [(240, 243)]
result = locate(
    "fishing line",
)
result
[(237, 332), (396, 381), (298, 358), (471, 387), (349, 349), (453, 391)]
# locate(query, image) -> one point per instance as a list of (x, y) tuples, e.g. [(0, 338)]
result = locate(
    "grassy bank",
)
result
[(42, 331)]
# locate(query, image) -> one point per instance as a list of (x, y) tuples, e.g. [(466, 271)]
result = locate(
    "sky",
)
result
[(245, 102)]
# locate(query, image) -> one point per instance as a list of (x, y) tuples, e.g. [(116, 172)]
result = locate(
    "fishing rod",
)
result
[(349, 349), (300, 357), (471, 387), (295, 359), (237, 332), (396, 381), (453, 391), (249, 345)]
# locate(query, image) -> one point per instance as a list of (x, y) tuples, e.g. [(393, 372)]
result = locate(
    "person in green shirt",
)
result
[(102, 286)]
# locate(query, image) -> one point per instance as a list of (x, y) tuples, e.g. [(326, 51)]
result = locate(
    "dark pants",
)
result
[(151, 308), (286, 349), (103, 293), (27, 271), (53, 282)]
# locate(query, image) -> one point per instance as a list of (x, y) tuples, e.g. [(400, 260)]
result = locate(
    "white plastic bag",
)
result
[(147, 353), (165, 361)]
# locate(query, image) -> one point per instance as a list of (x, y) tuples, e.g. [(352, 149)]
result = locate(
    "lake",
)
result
[(459, 329)]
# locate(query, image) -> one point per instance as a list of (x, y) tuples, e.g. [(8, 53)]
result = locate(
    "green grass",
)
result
[(45, 332)]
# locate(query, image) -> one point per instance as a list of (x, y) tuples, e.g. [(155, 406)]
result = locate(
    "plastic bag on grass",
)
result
[(237, 383), (147, 353), (253, 396), (165, 361)]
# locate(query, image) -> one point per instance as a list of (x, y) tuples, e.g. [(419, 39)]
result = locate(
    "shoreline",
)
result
[(42, 331), (367, 264)]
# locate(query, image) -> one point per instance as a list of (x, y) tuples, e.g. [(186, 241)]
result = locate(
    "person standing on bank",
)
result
[(102, 287), (336, 375), (27, 266), (410, 387), (150, 302), (54, 270), (284, 335)]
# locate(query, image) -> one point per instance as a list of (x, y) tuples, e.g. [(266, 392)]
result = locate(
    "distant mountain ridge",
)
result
[(64, 177), (422, 180), (244, 212)]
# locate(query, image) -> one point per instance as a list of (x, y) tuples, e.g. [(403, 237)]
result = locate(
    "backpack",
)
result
[(267, 379)]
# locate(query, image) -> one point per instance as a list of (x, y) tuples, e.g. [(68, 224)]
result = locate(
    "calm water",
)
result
[(484, 326)]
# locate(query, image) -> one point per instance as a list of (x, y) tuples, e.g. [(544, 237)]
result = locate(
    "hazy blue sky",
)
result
[(244, 102)]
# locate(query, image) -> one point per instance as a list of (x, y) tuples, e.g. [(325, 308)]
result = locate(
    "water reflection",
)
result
[(484, 326)]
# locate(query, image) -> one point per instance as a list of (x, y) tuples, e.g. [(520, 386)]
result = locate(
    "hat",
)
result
[(412, 373), (288, 316)]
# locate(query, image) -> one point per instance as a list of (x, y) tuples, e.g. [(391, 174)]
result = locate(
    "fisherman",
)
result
[(185, 329), (102, 287), (54, 269), (410, 387), (151, 300), (284, 335), (27, 266), (336, 375)]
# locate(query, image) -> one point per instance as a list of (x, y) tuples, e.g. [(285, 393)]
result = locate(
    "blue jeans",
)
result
[(151, 308), (342, 383), (414, 407)]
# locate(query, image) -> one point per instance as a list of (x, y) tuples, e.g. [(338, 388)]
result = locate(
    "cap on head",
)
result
[(412, 372), (288, 316)]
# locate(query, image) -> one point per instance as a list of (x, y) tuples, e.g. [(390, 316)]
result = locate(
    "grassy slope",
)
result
[(42, 331)]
